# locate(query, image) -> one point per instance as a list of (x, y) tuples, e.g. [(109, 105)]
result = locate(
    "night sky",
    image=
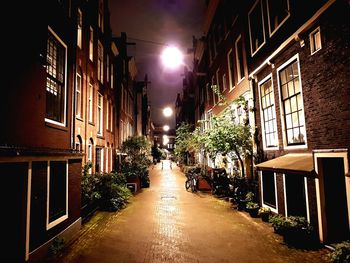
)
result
[(160, 21)]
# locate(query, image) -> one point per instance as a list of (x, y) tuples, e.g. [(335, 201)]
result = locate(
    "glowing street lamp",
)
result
[(172, 57), (167, 112), (166, 127)]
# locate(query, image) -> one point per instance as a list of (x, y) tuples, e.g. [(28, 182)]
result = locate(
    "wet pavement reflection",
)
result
[(165, 223)]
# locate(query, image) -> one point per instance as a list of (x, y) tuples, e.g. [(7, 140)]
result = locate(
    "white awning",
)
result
[(298, 162)]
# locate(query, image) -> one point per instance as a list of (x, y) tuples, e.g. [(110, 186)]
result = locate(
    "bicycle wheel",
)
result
[(188, 184), (193, 185)]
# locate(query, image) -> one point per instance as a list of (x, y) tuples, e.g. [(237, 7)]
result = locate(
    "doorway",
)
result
[(335, 217), (14, 179)]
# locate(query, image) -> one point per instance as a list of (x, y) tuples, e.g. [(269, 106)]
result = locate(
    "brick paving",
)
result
[(165, 223)]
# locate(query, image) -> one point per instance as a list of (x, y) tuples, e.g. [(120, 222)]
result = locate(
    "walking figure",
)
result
[(162, 165), (171, 165)]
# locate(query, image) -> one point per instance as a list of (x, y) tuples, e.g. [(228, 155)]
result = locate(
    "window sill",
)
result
[(91, 123), (79, 118), (56, 126)]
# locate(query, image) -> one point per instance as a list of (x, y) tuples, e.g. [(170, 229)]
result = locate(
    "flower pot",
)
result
[(300, 238), (253, 212), (241, 205), (265, 216)]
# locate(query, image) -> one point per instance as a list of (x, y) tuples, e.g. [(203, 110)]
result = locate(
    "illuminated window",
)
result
[(268, 113), (292, 104), (315, 40), (256, 27), (55, 80)]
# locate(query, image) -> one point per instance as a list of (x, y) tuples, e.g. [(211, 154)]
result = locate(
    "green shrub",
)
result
[(252, 205), (114, 194), (264, 210), (89, 188), (341, 253)]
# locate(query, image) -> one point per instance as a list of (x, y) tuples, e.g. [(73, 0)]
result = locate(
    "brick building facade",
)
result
[(291, 63)]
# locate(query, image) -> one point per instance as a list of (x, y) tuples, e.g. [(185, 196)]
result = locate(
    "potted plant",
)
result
[(252, 208), (277, 222), (341, 253), (264, 213), (296, 231)]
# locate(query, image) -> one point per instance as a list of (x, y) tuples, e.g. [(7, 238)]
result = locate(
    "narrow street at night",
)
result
[(165, 223)]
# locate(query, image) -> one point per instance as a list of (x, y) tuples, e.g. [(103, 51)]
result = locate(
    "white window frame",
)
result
[(91, 44), (100, 62), (111, 118), (80, 29), (121, 131), (329, 153), (63, 124), (283, 125), (218, 83), (112, 77), (312, 41), (262, 119), (107, 159), (50, 225), (90, 149), (263, 27), (99, 114), (78, 97), (306, 197), (107, 114), (102, 158), (108, 68), (275, 210), (224, 85), (91, 101), (269, 19), (240, 75), (212, 89), (231, 78)]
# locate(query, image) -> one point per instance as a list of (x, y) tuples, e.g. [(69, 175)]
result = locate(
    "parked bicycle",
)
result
[(191, 182)]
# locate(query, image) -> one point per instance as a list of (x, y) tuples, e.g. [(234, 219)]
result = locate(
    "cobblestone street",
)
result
[(165, 223)]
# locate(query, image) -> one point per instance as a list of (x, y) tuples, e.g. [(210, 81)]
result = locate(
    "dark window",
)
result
[(256, 27), (278, 11), (231, 69), (57, 190), (269, 191), (295, 195), (55, 81), (98, 160), (239, 56)]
